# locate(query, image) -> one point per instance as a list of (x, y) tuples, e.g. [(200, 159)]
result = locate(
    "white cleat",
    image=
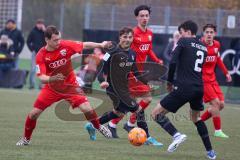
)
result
[(105, 131), (176, 142), (23, 142)]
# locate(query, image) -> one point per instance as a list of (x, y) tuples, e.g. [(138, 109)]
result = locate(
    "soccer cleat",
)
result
[(211, 154), (23, 142), (176, 142), (105, 131), (220, 134), (91, 131), (113, 131), (153, 141), (127, 127)]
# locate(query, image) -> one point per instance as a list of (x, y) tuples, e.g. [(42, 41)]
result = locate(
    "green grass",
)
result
[(55, 139)]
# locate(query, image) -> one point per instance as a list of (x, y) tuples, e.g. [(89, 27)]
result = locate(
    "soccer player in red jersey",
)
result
[(142, 45), (54, 68), (212, 92)]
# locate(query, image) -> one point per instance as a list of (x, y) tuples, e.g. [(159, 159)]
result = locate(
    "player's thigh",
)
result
[(196, 102), (46, 98), (78, 101), (173, 101), (138, 89), (218, 91), (209, 92)]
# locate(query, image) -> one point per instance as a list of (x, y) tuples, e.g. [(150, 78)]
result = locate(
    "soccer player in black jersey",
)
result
[(117, 66), (188, 58)]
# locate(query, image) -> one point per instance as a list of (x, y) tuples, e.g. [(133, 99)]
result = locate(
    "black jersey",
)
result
[(188, 58), (117, 66)]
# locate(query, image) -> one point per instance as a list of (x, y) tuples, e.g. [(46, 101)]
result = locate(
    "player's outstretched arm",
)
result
[(48, 79), (92, 45)]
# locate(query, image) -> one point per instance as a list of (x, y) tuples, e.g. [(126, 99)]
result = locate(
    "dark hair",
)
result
[(125, 30), (11, 21), (214, 27), (189, 25), (140, 8), (50, 30)]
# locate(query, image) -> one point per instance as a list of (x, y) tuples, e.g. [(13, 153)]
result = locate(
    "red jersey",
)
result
[(59, 61), (142, 45), (213, 58)]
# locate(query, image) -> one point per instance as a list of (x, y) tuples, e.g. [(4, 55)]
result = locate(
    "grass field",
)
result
[(55, 139)]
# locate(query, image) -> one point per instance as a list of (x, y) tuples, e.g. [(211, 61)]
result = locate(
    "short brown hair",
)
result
[(214, 27), (125, 30), (50, 30)]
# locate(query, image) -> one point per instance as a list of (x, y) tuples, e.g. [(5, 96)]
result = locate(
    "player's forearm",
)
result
[(47, 79), (153, 57), (222, 66), (44, 78), (91, 45)]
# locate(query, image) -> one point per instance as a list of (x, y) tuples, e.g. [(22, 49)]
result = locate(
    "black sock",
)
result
[(203, 132), (106, 117), (141, 122), (165, 123)]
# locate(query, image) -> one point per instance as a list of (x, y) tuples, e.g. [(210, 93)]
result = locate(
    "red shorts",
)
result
[(212, 91), (137, 88), (48, 96)]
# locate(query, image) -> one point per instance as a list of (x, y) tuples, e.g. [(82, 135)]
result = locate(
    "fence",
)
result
[(113, 17), (10, 9)]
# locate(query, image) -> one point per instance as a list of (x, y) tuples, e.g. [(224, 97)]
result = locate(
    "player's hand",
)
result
[(169, 87), (151, 86), (58, 77), (229, 78), (104, 85), (106, 44), (160, 62)]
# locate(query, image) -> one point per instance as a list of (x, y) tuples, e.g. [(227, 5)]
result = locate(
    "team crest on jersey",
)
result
[(63, 52), (216, 50), (47, 59), (150, 38)]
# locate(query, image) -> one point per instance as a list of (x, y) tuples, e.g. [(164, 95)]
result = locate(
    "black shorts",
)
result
[(122, 106), (178, 97)]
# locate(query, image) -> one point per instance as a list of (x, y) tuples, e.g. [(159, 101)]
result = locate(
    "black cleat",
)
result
[(127, 127), (113, 131)]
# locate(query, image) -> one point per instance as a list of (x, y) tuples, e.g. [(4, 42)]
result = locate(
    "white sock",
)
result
[(112, 125), (218, 130), (176, 134), (130, 124)]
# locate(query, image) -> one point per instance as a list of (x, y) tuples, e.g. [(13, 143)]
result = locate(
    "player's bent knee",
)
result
[(85, 107), (34, 114), (221, 106), (147, 99)]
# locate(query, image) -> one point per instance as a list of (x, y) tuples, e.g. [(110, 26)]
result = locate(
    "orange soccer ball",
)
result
[(137, 136)]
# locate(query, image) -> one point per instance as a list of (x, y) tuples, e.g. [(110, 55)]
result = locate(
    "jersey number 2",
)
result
[(198, 61)]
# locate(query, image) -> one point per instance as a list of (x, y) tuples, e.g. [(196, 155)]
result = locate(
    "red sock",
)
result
[(206, 115), (217, 122), (93, 118), (30, 124), (143, 104), (133, 116), (117, 120)]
